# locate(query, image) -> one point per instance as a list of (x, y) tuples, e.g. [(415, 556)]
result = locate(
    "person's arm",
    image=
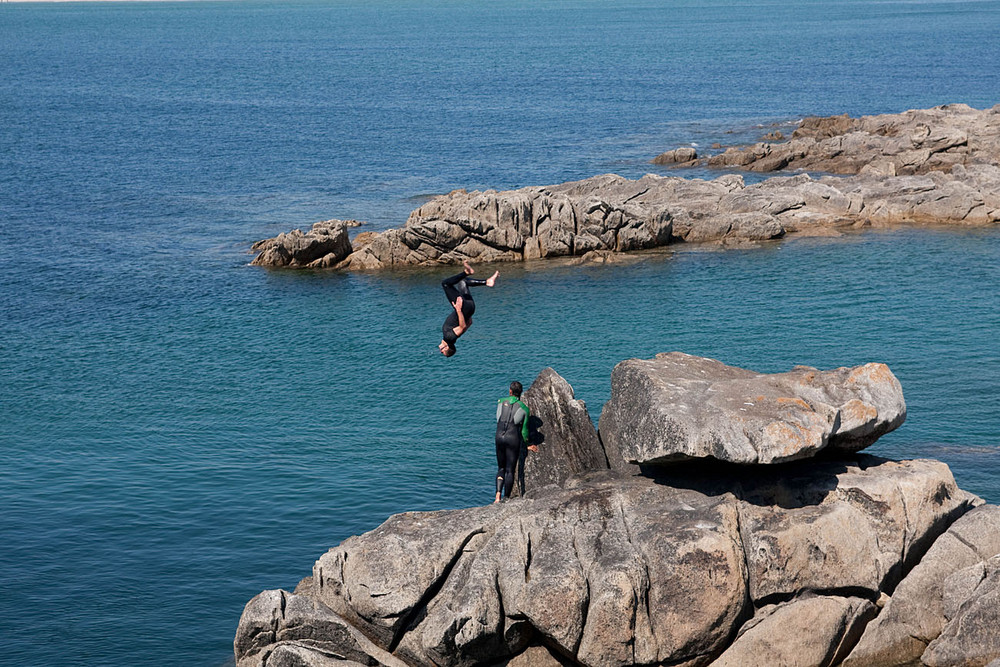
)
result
[(524, 427), (462, 326)]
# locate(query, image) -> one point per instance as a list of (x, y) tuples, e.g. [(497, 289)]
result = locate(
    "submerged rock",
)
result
[(677, 407)]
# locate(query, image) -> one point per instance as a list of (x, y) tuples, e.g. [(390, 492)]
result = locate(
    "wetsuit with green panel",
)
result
[(512, 429)]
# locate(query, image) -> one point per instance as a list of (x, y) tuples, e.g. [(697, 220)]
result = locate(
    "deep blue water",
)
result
[(179, 431)]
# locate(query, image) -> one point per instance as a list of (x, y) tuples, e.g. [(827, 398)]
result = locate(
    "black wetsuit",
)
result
[(454, 287), (512, 416)]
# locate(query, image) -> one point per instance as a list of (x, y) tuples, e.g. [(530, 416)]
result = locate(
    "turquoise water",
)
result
[(179, 431)]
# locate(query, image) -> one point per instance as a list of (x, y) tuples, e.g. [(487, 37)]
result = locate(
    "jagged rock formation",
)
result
[(324, 246), (914, 142), (677, 406), (561, 428), (694, 564)]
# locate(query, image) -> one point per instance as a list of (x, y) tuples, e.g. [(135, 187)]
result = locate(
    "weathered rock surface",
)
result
[(972, 635), (916, 613), (566, 438), (618, 570), (279, 628), (677, 407), (324, 246), (914, 142), (774, 636)]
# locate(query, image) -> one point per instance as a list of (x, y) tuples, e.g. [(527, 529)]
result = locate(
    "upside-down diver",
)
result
[(459, 320)]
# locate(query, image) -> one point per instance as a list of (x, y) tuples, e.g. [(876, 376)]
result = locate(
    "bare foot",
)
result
[(468, 267), (497, 500), (492, 280)]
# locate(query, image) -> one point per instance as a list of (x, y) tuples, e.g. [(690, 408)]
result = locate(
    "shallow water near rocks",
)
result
[(179, 431)]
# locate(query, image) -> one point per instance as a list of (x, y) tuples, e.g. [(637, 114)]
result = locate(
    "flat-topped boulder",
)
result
[(677, 406), (918, 141), (620, 570)]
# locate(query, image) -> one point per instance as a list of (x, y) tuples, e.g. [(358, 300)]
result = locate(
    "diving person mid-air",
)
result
[(459, 320)]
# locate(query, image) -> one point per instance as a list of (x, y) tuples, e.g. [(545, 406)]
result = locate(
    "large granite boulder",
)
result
[(615, 570), (563, 432), (916, 614), (677, 406), (324, 246)]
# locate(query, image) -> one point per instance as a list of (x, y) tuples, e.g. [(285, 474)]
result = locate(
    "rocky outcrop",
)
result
[(931, 595), (694, 563), (617, 570), (563, 432), (677, 407), (324, 246), (934, 166), (913, 142), (611, 214)]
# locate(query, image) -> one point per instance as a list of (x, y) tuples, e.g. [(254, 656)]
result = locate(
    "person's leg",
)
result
[(512, 449), (501, 454), (450, 285)]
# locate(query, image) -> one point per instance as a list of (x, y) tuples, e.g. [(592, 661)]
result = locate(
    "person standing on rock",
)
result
[(458, 322), (512, 430)]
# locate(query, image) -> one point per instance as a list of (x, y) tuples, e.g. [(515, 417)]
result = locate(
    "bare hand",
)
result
[(533, 448), (458, 304)]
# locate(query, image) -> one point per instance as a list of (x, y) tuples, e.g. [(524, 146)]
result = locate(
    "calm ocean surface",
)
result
[(179, 431)]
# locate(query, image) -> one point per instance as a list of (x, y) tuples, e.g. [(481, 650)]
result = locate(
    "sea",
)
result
[(180, 431)]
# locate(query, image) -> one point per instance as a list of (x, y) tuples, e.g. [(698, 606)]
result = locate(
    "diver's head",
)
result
[(446, 348), (515, 389)]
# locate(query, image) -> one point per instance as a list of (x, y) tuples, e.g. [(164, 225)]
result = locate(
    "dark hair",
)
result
[(515, 388), (450, 350)]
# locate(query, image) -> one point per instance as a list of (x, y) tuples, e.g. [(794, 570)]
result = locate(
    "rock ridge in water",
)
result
[(918, 141), (934, 166)]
